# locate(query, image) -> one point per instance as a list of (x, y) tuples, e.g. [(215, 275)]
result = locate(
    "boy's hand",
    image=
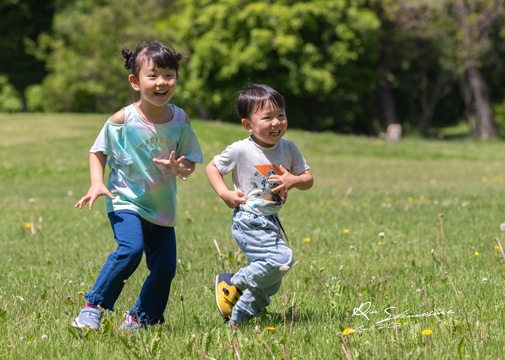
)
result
[(286, 181), (93, 193), (173, 166), (233, 198)]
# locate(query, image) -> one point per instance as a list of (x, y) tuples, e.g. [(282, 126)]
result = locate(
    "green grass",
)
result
[(397, 188)]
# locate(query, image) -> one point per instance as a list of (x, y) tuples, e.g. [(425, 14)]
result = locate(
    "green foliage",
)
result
[(84, 52), (318, 54)]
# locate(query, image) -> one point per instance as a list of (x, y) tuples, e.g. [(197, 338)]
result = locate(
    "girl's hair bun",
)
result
[(128, 57), (178, 55)]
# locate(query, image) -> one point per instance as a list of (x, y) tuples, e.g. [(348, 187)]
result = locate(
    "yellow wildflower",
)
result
[(486, 169), (388, 199), (421, 197), (80, 292), (306, 239), (484, 179), (409, 199), (365, 204), (214, 207), (427, 332), (27, 225), (347, 331), (346, 231), (217, 143), (270, 329), (476, 254), (381, 243), (497, 248), (433, 182), (344, 203)]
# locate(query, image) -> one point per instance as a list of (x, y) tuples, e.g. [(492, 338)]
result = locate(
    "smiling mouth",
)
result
[(160, 93), (275, 133)]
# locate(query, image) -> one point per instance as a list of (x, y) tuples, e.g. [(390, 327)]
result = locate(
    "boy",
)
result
[(264, 167)]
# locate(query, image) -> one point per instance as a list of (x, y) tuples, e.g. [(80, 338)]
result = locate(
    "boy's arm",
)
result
[(287, 181), (232, 198), (96, 169)]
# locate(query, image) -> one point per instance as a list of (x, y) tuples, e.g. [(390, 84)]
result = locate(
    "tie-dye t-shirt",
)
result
[(251, 165), (137, 183)]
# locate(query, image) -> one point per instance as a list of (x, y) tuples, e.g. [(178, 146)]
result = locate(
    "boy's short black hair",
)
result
[(255, 97)]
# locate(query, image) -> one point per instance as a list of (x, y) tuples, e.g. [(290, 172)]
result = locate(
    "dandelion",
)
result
[(409, 199), (344, 203), (388, 199), (365, 204), (284, 268), (484, 280), (346, 231), (44, 337), (421, 197), (381, 234), (217, 143), (381, 243), (502, 227), (270, 329), (352, 248), (347, 331), (486, 169), (476, 254), (214, 207), (341, 268), (27, 225), (427, 332), (497, 248), (484, 179), (80, 292), (307, 240)]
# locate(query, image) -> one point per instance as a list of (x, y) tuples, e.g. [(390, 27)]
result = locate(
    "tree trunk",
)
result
[(469, 113), (24, 105), (386, 93), (484, 111)]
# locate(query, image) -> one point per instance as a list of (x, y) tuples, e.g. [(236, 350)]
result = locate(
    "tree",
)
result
[(87, 71), (321, 55), (22, 21), (460, 29)]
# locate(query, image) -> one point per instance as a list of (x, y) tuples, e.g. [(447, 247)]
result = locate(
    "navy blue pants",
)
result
[(134, 236)]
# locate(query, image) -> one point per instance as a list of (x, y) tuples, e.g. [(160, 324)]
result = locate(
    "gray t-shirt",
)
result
[(251, 165)]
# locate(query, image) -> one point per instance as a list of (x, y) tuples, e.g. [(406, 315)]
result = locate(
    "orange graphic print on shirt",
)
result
[(268, 198)]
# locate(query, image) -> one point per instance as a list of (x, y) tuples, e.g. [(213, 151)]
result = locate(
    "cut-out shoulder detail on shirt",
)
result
[(118, 118), (187, 119)]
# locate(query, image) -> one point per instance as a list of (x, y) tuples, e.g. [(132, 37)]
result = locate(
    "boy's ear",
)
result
[(134, 82), (247, 125)]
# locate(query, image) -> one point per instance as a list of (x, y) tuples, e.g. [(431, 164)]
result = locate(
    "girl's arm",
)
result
[(302, 181), (96, 170), (232, 198)]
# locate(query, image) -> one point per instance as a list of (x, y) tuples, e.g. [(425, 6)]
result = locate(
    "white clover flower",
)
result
[(70, 281), (341, 268), (435, 202), (373, 278), (432, 251), (381, 234), (256, 329), (484, 280), (311, 268), (70, 193), (82, 284), (352, 248), (32, 200), (502, 227), (44, 337)]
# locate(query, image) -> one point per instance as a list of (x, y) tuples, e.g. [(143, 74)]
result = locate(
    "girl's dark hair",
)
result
[(160, 54), (255, 97)]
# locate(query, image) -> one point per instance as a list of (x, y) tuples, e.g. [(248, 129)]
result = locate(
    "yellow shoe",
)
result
[(227, 294)]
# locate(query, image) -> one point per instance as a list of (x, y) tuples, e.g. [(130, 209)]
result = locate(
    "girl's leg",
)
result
[(161, 259), (128, 233)]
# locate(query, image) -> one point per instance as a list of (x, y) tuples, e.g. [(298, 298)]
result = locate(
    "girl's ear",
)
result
[(134, 82), (247, 125)]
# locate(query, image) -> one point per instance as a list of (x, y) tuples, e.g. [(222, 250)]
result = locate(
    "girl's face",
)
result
[(156, 85), (268, 125)]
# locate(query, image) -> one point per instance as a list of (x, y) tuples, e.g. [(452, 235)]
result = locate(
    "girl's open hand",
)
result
[(233, 198), (285, 180), (93, 193), (173, 166)]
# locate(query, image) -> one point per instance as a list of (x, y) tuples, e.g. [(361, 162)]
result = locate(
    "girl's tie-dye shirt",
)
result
[(137, 183)]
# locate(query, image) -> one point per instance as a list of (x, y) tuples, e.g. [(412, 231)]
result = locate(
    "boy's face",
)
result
[(268, 125)]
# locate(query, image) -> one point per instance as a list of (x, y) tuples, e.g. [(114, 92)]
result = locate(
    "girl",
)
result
[(146, 145)]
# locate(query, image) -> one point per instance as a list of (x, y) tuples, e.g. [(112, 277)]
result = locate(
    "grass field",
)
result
[(363, 186)]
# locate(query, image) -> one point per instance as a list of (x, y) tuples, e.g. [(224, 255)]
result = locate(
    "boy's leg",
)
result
[(120, 264), (268, 260), (161, 259), (253, 302)]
